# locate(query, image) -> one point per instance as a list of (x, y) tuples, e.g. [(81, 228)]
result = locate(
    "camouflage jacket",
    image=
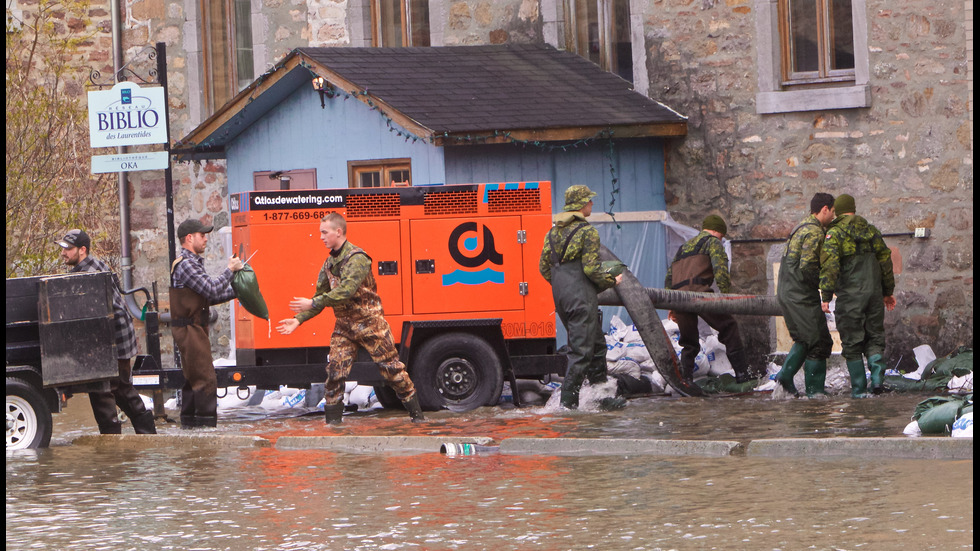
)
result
[(715, 250), (850, 235), (584, 246), (344, 278), (804, 248)]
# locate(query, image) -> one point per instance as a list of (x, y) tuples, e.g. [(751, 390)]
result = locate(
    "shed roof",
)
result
[(457, 95)]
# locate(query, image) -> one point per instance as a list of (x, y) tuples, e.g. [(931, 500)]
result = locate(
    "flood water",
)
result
[(209, 497)]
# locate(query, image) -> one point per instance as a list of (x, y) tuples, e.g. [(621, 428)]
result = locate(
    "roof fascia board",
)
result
[(235, 106)]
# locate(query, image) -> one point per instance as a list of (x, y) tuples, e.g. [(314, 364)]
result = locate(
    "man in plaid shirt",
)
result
[(75, 248), (192, 292)]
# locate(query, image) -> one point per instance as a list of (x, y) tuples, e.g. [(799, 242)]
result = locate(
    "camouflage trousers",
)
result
[(373, 334)]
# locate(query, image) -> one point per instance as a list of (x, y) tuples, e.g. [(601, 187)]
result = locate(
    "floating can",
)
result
[(452, 449)]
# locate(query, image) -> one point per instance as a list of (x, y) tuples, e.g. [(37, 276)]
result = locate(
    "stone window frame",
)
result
[(772, 97), (365, 27), (231, 49), (555, 28)]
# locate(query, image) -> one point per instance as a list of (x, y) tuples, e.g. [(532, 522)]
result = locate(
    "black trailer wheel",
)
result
[(458, 371), (387, 397), (28, 416)]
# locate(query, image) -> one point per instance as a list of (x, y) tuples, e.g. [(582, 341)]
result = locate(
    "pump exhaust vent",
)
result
[(373, 205), (514, 200), (451, 202)]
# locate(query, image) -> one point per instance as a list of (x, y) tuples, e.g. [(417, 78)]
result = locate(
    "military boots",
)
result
[(414, 408)]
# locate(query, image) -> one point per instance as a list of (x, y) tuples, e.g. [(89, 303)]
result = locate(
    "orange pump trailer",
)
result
[(457, 272)]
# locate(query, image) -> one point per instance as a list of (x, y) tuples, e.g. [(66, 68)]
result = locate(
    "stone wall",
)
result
[(907, 160)]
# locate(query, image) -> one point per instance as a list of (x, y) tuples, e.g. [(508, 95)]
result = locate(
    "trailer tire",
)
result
[(387, 397), (457, 371), (28, 416)]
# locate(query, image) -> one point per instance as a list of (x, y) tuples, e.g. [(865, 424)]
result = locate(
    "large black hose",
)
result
[(641, 309), (708, 303)]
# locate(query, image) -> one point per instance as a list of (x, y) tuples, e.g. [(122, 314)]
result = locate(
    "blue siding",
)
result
[(638, 164), (298, 134)]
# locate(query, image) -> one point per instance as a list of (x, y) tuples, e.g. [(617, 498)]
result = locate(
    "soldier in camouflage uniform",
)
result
[(799, 296), (857, 266), (347, 285), (699, 263), (570, 262)]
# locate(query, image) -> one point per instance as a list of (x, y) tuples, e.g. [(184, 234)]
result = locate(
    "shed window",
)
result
[(380, 173)]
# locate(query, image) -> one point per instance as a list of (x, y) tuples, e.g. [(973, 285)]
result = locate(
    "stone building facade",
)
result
[(899, 139)]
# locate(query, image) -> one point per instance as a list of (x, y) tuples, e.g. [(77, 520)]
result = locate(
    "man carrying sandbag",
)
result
[(192, 292)]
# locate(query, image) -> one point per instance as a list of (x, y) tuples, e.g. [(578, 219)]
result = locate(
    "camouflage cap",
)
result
[(576, 197)]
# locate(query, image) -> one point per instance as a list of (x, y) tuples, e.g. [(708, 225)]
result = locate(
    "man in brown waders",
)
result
[(192, 292), (697, 264), (347, 285), (75, 251)]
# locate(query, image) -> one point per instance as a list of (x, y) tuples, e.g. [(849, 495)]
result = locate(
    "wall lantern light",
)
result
[(321, 85)]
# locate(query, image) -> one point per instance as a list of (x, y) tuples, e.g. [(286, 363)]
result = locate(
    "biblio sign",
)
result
[(127, 115)]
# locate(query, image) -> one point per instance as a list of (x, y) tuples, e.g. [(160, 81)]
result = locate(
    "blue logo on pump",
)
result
[(466, 234)]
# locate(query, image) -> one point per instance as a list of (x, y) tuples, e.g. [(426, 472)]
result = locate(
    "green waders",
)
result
[(578, 308), (807, 324), (860, 316)]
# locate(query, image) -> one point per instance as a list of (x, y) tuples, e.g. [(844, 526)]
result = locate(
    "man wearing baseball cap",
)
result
[(570, 262), (699, 263), (192, 292), (76, 249)]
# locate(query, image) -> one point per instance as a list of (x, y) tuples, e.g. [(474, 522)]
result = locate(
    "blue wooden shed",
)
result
[(367, 117)]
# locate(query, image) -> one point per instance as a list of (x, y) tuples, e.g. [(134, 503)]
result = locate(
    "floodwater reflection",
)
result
[(101, 497)]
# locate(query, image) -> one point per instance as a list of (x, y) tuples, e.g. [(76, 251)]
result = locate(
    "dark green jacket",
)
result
[(805, 247), (848, 236), (584, 246)]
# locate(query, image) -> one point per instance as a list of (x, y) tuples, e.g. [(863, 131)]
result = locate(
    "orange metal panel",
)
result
[(462, 265), (468, 232)]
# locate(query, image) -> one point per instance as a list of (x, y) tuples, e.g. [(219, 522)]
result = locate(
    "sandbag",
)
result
[(936, 415), (246, 286)]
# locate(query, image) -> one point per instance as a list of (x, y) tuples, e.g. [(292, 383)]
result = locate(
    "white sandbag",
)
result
[(923, 356), (637, 351), (633, 335), (718, 363), (363, 397), (617, 329), (961, 385), (912, 429), (234, 398), (614, 349), (626, 366), (292, 397), (963, 427)]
